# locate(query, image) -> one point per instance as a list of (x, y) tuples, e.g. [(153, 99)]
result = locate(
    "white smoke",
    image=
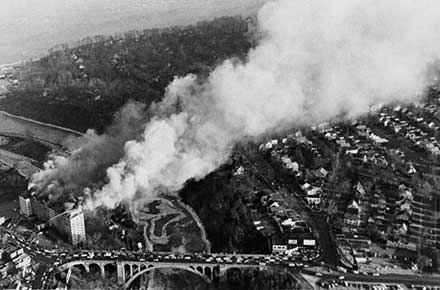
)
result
[(91, 155), (316, 59)]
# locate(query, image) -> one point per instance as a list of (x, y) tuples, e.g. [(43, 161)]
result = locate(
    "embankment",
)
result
[(12, 125)]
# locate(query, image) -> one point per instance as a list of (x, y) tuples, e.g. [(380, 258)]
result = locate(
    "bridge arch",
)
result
[(100, 266), (94, 268), (127, 271), (208, 272), (110, 270), (182, 267), (81, 267)]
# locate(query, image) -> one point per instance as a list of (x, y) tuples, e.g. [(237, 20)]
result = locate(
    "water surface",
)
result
[(28, 28)]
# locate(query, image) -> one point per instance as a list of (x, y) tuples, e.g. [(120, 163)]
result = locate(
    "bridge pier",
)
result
[(102, 268), (69, 273), (121, 273)]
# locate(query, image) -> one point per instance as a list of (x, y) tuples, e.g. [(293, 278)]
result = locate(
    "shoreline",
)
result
[(12, 64), (4, 66)]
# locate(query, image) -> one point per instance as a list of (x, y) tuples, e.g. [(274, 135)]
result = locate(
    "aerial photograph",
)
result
[(220, 144)]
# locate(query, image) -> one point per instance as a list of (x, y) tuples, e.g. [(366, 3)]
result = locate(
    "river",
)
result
[(28, 28)]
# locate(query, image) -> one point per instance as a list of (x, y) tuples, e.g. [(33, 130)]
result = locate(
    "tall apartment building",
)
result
[(25, 205), (424, 228), (70, 223)]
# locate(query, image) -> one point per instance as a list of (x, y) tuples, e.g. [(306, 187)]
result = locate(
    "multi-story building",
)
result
[(424, 228), (352, 217), (43, 211), (77, 227), (25, 205), (22, 261), (13, 258), (70, 223)]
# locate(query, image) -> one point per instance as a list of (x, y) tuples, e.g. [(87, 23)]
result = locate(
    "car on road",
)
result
[(341, 269)]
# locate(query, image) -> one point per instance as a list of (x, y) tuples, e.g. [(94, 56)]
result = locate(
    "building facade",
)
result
[(68, 223), (352, 218), (25, 205)]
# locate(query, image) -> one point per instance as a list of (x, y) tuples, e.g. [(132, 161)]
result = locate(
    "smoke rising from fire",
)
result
[(90, 157), (315, 60)]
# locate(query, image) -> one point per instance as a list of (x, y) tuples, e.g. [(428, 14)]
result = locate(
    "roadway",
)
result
[(423, 280), (217, 259), (374, 278)]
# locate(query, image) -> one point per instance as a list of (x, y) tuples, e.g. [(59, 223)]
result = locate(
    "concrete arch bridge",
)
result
[(129, 271)]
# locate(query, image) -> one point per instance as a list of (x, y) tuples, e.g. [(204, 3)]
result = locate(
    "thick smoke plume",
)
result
[(316, 59), (90, 157)]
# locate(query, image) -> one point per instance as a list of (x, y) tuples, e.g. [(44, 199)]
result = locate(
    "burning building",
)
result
[(67, 220)]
